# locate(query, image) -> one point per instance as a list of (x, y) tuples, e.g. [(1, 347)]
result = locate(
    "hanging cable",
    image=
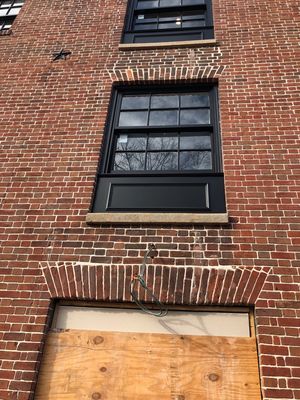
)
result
[(138, 279)]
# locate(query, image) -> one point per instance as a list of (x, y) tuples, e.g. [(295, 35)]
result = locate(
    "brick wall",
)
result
[(52, 120)]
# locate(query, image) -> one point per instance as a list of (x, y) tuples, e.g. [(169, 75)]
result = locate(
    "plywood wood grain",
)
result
[(87, 365)]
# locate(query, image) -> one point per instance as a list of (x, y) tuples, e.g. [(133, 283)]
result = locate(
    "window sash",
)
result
[(209, 130), (146, 23)]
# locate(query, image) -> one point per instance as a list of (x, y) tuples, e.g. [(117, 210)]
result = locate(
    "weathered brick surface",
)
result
[(52, 119)]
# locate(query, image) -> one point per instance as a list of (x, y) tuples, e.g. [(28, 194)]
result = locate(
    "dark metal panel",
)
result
[(147, 37), (155, 194)]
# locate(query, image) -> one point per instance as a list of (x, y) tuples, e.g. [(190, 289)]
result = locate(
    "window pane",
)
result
[(125, 142), (133, 118), (192, 2), (193, 24), (129, 162), (195, 142), (188, 15), (14, 11), (147, 4), (5, 4), (6, 26), (170, 3), (3, 12), (168, 117), (134, 102), (145, 27), (161, 101), (196, 116), (195, 160), (166, 17), (142, 19), (169, 25), (162, 161), (194, 100), (163, 143)]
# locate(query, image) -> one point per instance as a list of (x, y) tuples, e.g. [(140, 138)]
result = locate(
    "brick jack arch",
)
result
[(136, 74), (172, 285)]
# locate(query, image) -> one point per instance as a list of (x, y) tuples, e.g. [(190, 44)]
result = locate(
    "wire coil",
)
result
[(138, 279)]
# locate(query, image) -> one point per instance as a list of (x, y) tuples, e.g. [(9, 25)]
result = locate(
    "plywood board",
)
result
[(87, 365)]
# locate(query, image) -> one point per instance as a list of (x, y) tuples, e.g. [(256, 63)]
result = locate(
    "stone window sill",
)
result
[(187, 43), (156, 218)]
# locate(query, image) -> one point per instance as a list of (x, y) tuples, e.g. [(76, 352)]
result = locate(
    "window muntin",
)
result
[(168, 20), (9, 9), (159, 131)]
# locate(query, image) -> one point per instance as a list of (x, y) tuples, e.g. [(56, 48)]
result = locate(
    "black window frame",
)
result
[(8, 19), (132, 35), (209, 183)]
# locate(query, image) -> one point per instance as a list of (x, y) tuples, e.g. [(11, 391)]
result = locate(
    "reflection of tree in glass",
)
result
[(133, 143), (129, 161), (162, 161), (195, 160), (163, 143)]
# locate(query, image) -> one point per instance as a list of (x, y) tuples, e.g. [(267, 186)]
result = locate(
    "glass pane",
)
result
[(195, 142), (147, 4), (129, 162), (14, 11), (162, 161), (6, 26), (145, 27), (133, 118), (194, 100), (186, 16), (3, 12), (169, 117), (5, 4), (145, 19), (192, 2), (169, 25), (195, 160), (163, 143), (125, 142), (193, 24), (160, 101), (166, 17), (196, 116), (170, 3), (134, 102)]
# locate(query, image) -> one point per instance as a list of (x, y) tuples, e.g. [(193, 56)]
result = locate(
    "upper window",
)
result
[(162, 151), (168, 21), (9, 9)]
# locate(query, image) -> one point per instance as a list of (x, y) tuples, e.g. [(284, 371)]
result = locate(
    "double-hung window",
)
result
[(161, 152), (168, 21), (9, 9)]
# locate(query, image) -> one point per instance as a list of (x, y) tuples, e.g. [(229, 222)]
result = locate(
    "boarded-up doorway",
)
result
[(113, 354)]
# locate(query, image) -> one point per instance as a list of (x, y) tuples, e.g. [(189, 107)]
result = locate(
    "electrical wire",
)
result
[(139, 279)]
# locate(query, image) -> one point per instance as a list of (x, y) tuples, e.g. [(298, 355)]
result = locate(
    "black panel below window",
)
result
[(156, 194), (167, 36)]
